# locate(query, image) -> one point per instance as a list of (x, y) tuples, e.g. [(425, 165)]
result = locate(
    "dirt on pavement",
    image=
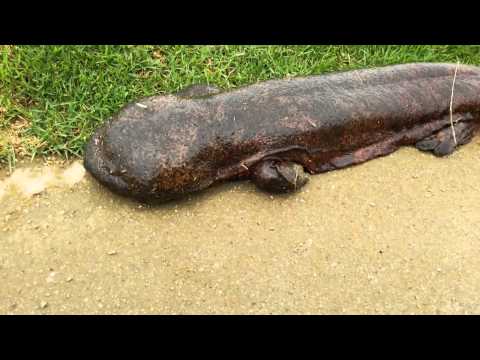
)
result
[(396, 235)]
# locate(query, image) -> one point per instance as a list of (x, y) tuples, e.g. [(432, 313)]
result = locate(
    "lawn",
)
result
[(53, 97)]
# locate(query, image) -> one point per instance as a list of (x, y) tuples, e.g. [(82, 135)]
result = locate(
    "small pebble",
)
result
[(43, 304), (113, 252)]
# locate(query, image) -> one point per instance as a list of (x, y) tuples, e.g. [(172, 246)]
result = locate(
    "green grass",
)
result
[(62, 93)]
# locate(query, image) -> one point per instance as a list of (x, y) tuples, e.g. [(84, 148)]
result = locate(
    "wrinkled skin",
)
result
[(277, 132)]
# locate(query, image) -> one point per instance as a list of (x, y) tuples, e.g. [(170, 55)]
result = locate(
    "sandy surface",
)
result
[(400, 234)]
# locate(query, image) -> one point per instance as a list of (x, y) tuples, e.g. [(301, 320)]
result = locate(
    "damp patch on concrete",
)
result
[(30, 181)]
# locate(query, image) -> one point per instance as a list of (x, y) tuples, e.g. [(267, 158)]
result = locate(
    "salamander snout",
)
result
[(101, 169)]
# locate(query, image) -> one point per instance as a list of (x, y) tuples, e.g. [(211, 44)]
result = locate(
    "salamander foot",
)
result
[(279, 176), (442, 142)]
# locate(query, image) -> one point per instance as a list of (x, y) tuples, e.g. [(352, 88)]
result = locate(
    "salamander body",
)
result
[(277, 132)]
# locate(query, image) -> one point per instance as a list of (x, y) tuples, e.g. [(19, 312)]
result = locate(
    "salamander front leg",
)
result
[(279, 176), (442, 142)]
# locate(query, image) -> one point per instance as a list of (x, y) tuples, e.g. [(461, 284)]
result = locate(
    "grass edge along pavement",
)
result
[(53, 97)]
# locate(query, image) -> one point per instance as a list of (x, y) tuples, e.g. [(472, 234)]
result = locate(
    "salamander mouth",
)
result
[(100, 168), (98, 165)]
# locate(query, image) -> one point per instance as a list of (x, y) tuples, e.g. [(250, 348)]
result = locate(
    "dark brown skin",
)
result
[(277, 132)]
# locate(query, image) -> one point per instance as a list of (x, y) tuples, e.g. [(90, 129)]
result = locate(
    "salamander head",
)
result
[(100, 168), (149, 155)]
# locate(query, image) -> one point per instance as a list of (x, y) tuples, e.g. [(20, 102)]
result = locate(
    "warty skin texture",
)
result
[(164, 147)]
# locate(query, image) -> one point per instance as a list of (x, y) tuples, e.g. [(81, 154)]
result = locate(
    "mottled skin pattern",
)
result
[(164, 147)]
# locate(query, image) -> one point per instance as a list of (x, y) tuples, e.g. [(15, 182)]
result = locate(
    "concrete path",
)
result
[(396, 235)]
